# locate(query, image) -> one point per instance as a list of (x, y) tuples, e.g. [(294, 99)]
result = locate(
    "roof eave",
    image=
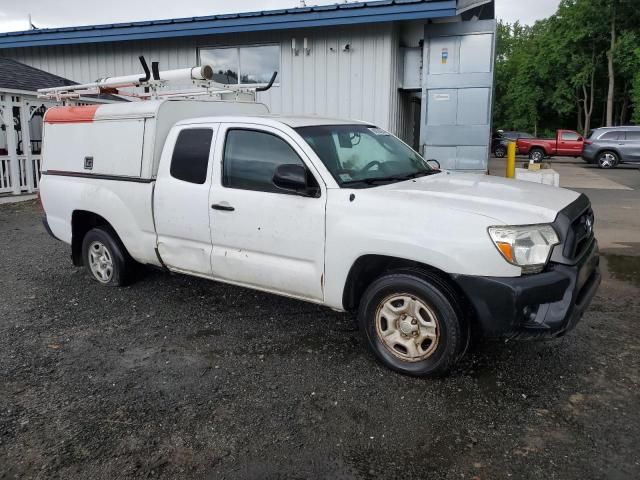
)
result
[(216, 26)]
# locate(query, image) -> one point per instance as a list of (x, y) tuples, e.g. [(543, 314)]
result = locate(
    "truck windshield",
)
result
[(361, 156)]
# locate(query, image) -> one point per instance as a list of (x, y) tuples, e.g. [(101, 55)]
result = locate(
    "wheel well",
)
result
[(369, 268), (609, 149), (81, 222)]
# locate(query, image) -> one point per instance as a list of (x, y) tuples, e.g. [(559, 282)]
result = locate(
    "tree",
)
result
[(580, 66)]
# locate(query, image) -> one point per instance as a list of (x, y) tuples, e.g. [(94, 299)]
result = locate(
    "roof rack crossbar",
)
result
[(154, 82)]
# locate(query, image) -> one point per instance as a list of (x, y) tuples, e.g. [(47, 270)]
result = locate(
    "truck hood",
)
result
[(506, 201)]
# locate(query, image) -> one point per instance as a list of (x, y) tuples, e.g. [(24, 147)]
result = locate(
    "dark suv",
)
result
[(501, 139), (610, 146)]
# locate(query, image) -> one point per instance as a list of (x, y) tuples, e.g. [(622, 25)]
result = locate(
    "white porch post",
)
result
[(26, 142), (12, 144)]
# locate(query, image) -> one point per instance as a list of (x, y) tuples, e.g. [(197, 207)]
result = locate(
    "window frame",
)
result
[(268, 131), (207, 176), (276, 83)]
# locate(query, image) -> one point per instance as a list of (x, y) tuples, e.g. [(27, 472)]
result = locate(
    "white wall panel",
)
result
[(328, 81)]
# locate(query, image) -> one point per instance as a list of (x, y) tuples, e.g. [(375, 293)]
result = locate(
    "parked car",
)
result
[(567, 143), (610, 146), (501, 140), (333, 212)]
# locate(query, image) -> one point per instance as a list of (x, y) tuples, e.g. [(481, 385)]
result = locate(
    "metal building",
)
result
[(422, 69)]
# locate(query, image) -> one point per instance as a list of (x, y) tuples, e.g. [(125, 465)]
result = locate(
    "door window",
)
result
[(251, 158), (633, 135), (191, 155), (613, 136), (570, 136)]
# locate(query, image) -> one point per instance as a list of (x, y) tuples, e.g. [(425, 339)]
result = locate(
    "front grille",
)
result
[(580, 235)]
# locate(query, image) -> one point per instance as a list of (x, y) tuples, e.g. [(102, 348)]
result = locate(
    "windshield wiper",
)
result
[(391, 178)]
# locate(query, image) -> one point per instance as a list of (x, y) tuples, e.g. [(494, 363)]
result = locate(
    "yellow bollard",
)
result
[(511, 160)]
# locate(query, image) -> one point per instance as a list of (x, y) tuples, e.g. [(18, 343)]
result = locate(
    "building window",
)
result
[(191, 155), (242, 65)]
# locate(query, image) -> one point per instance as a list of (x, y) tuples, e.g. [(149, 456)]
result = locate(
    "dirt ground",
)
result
[(176, 377)]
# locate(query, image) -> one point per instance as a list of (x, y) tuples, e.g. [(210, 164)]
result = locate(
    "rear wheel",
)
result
[(608, 160), (537, 155), (105, 257), (500, 151), (413, 325)]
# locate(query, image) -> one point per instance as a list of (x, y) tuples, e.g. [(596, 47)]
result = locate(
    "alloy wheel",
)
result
[(100, 262)]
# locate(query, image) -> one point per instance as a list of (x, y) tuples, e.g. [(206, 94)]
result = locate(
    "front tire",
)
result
[(500, 152), (413, 324), (608, 160), (105, 258), (537, 155)]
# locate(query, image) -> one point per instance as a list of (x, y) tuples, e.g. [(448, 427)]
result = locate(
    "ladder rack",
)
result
[(154, 82)]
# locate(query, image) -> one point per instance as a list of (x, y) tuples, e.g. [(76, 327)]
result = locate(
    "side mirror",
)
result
[(293, 178), (580, 139), (432, 161)]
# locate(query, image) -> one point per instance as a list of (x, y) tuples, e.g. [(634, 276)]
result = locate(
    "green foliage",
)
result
[(548, 74)]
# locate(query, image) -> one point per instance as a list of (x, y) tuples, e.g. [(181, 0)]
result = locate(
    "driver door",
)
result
[(263, 236)]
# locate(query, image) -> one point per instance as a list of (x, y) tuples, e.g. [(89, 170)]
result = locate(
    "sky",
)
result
[(63, 13)]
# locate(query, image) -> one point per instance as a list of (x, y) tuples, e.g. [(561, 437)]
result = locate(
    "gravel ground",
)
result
[(176, 377)]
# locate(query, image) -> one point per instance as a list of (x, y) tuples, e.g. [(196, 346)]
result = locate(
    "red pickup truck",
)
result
[(567, 143)]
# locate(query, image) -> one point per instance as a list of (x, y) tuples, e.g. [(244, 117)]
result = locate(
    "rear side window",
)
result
[(191, 155), (633, 135), (570, 136), (251, 158), (613, 136)]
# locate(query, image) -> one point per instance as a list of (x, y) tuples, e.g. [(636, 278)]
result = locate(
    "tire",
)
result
[(500, 152), (432, 337), (105, 258), (537, 155), (608, 159)]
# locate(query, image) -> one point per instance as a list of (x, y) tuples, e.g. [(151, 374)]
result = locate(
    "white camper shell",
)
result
[(124, 139)]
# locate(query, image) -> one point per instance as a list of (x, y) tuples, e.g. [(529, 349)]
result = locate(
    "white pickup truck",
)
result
[(334, 212)]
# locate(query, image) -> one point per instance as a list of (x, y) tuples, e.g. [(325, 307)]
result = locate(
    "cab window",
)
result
[(570, 136), (191, 155), (251, 158)]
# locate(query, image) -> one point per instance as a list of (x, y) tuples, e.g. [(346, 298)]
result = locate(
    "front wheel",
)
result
[(500, 152), (608, 160), (105, 257), (413, 324)]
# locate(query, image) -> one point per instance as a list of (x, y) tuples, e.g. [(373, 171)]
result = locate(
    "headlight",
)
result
[(527, 246)]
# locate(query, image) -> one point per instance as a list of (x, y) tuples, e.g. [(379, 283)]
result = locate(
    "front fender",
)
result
[(453, 241)]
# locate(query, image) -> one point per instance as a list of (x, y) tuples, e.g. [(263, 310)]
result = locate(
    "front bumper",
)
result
[(547, 304)]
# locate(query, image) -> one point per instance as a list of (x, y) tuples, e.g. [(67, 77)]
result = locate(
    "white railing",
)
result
[(5, 174), (36, 161), (6, 185)]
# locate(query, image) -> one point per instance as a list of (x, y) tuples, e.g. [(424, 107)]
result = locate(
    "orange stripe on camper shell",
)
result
[(82, 114)]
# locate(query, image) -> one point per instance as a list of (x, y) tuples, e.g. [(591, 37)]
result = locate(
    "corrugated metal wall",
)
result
[(358, 84)]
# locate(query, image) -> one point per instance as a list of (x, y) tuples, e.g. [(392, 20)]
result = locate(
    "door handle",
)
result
[(222, 206)]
